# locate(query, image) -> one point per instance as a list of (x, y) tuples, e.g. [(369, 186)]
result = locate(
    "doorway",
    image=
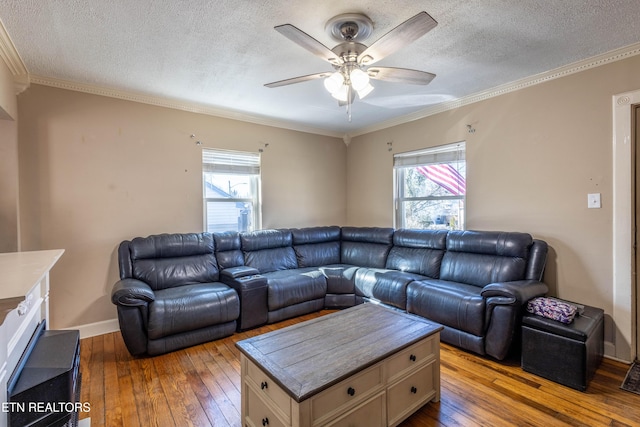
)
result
[(623, 329)]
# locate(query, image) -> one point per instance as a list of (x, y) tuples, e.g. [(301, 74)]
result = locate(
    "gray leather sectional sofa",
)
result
[(178, 290)]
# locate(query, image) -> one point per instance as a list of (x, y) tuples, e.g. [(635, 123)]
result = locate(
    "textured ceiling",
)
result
[(219, 54)]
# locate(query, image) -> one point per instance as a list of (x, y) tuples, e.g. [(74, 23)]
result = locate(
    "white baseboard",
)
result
[(98, 328)]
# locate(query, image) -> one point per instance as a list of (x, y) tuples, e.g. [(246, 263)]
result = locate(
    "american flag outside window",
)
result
[(446, 176)]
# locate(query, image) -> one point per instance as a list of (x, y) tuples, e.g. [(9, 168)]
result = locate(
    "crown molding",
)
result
[(23, 79), (13, 61), (576, 67), (177, 105)]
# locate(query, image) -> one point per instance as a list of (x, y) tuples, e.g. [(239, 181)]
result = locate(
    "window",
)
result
[(430, 187), (231, 188)]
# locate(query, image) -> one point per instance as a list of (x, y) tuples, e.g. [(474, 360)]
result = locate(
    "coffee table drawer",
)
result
[(410, 393), (258, 413), (412, 357), (371, 413), (347, 393), (269, 389)]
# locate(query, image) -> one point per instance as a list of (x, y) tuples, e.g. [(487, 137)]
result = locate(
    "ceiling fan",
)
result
[(352, 60)]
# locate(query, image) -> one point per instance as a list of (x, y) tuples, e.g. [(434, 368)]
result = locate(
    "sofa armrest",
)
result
[(517, 292), (237, 272), (131, 292), (504, 302)]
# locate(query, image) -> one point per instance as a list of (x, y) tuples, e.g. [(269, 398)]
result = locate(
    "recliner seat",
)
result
[(169, 295)]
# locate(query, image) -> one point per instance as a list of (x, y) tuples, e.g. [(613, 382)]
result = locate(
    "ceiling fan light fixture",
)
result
[(334, 82), (359, 79), (342, 94), (364, 91)]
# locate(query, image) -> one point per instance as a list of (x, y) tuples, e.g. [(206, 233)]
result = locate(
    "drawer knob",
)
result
[(414, 390), (22, 309), (263, 385), (351, 391), (265, 421), (412, 357)]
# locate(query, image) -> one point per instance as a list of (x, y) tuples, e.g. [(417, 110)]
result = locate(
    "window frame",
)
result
[(442, 154), (233, 163)]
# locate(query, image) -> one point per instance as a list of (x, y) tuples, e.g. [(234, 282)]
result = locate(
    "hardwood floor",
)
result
[(200, 386)]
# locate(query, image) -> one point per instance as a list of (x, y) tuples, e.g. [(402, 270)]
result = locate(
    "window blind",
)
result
[(442, 154), (228, 161)]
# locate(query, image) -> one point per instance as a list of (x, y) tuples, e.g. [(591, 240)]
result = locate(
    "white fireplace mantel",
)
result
[(24, 304)]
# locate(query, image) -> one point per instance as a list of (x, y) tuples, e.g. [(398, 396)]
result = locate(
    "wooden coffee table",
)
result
[(365, 366)]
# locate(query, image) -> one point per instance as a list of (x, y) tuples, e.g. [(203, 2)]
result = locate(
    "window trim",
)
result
[(231, 162), (447, 153)]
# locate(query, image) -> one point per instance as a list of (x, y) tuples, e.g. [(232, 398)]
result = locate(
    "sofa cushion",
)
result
[(265, 239), (268, 260), (190, 307), (366, 246), (318, 254), (227, 249), (289, 287), (480, 258), (171, 245), (537, 260), (418, 251), (309, 235), (340, 278), (167, 260), (269, 250), (452, 304), (316, 246), (387, 286)]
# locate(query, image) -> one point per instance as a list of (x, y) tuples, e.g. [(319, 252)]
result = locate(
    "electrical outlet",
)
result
[(593, 201)]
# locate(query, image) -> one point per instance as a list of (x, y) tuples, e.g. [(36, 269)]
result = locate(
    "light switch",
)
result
[(593, 201)]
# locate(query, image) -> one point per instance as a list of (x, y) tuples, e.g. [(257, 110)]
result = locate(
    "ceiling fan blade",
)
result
[(400, 75), (299, 79), (402, 35), (304, 40)]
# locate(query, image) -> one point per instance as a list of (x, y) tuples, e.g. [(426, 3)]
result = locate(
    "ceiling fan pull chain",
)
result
[(349, 104)]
